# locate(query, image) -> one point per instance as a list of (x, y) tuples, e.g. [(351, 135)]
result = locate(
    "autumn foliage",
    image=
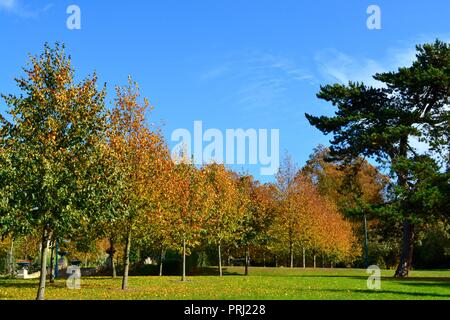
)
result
[(91, 174)]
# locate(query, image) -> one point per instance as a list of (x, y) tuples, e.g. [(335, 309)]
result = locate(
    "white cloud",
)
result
[(334, 65), (338, 66), (341, 67), (18, 8), (8, 4), (261, 79)]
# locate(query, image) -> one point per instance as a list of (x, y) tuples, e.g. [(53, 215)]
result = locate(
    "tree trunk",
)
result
[(183, 277), (276, 261), (291, 255), (111, 257), (52, 278), (43, 275), (220, 261), (247, 256), (264, 259), (304, 258), (314, 258), (366, 243), (408, 229), (407, 250), (323, 262), (161, 260), (126, 261), (11, 258)]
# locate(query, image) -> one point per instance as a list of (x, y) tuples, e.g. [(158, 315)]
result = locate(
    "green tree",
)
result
[(54, 141), (381, 122)]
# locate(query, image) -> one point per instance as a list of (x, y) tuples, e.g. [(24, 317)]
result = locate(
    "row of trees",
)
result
[(73, 169)]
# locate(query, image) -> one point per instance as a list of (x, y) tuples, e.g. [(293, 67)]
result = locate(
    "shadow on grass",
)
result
[(20, 285), (384, 278), (210, 271), (383, 292), (440, 284)]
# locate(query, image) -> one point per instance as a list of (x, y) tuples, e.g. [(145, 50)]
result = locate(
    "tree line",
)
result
[(74, 168)]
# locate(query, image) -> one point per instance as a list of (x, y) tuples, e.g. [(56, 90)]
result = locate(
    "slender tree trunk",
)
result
[(323, 262), (366, 243), (183, 277), (264, 259), (314, 258), (52, 278), (126, 260), (291, 256), (304, 258), (11, 258), (247, 256), (276, 261), (111, 257), (43, 275), (407, 251), (220, 260), (161, 260)]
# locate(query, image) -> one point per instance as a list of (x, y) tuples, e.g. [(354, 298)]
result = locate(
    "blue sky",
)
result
[(229, 63)]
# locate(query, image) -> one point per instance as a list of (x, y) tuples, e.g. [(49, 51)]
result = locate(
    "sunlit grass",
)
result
[(262, 283)]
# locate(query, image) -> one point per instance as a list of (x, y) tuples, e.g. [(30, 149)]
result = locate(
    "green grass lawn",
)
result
[(262, 283)]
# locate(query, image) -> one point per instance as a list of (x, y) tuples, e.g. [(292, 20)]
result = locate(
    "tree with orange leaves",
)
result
[(183, 207), (308, 220), (135, 154), (222, 214)]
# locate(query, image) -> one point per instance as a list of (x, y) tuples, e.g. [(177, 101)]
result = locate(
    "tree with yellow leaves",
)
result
[(222, 215), (54, 142), (135, 154)]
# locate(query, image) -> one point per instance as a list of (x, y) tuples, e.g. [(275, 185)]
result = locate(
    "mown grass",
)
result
[(262, 283)]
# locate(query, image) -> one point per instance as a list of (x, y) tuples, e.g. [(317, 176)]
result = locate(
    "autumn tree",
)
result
[(155, 224), (8, 227), (353, 186), (288, 215), (222, 215), (53, 139), (265, 203), (133, 148), (256, 215), (185, 207)]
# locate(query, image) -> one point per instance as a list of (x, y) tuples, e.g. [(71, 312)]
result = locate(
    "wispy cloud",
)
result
[(7, 4), (334, 65), (261, 80), (341, 67), (19, 8)]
